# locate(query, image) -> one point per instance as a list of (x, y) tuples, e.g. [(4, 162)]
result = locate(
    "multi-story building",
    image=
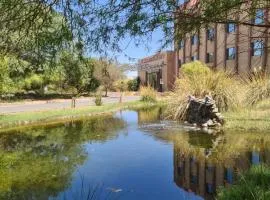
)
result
[(231, 47)]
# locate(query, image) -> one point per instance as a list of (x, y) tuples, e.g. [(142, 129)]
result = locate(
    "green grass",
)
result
[(27, 118), (256, 118), (254, 184)]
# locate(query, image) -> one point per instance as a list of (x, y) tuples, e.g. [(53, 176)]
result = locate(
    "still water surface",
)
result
[(132, 155)]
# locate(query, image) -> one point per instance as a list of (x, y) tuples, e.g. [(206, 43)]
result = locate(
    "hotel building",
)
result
[(238, 49), (234, 48)]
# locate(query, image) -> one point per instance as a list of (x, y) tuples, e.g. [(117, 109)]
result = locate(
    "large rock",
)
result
[(203, 112)]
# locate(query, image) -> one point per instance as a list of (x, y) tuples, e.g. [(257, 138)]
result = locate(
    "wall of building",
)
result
[(167, 60), (241, 39)]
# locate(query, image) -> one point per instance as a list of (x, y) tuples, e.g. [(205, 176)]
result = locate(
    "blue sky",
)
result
[(131, 53)]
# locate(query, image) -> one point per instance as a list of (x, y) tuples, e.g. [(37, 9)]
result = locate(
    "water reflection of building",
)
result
[(195, 173)]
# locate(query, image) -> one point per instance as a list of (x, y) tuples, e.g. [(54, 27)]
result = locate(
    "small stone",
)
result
[(210, 123), (215, 110)]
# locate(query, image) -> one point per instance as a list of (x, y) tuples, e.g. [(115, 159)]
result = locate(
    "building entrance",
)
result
[(153, 80)]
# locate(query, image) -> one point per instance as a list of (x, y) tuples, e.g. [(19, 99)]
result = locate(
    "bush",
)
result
[(253, 184), (34, 82), (198, 80), (148, 94), (98, 99), (134, 84), (196, 68), (120, 85)]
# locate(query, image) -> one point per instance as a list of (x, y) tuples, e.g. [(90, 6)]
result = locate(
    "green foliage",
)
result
[(253, 184), (103, 23), (148, 94), (34, 82), (134, 84), (196, 68), (79, 72), (98, 99)]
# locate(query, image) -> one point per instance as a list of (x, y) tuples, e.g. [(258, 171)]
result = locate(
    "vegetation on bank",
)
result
[(148, 94), (256, 118), (198, 80), (253, 184), (27, 118), (244, 101)]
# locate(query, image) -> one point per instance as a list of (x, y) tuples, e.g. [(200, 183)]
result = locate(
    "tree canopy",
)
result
[(99, 25)]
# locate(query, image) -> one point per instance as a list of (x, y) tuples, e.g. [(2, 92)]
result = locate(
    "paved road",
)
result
[(58, 104)]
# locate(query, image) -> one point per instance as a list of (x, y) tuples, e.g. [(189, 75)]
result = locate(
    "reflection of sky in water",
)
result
[(145, 159), (134, 165)]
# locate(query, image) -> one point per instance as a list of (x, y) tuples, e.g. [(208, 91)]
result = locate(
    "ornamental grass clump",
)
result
[(258, 88), (198, 80), (148, 94)]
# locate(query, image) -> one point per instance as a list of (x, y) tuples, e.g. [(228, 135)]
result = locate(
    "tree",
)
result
[(101, 24), (107, 73), (79, 72)]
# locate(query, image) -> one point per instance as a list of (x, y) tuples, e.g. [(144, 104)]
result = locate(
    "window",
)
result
[(194, 39), (231, 53), (209, 58), (259, 17), (257, 48), (231, 28), (211, 34), (181, 44), (193, 58)]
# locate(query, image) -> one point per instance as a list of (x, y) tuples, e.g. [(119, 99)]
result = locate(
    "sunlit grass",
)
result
[(65, 114), (148, 94), (253, 184), (251, 118)]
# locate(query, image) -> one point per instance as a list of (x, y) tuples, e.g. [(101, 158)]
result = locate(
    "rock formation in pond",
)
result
[(203, 112)]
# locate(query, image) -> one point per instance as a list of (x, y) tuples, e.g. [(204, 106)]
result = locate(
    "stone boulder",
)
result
[(203, 112)]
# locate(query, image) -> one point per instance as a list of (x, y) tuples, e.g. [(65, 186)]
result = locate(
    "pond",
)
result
[(131, 155)]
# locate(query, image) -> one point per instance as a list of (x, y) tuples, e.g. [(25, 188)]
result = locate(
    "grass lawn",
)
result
[(26, 118), (256, 118)]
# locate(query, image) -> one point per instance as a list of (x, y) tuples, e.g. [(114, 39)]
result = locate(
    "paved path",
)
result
[(9, 108)]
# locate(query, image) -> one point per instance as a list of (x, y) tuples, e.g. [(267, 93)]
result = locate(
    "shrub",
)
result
[(120, 85), (198, 80), (33, 82), (253, 184), (148, 94), (134, 84), (98, 100), (195, 68)]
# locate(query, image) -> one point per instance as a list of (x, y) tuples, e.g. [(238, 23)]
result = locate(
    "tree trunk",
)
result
[(106, 92)]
